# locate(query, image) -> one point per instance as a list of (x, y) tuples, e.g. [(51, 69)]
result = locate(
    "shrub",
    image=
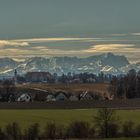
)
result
[(78, 129), (32, 133), (50, 131), (113, 130), (138, 130), (92, 132), (128, 129), (2, 135), (12, 131)]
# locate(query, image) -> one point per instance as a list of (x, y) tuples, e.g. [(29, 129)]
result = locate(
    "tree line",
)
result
[(7, 91), (105, 124), (69, 77), (127, 86)]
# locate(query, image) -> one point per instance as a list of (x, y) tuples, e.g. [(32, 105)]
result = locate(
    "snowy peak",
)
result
[(115, 60), (107, 63)]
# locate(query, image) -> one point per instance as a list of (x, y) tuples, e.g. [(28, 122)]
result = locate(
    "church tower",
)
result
[(15, 76)]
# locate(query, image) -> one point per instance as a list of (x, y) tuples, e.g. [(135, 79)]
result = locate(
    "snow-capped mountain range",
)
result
[(107, 63)]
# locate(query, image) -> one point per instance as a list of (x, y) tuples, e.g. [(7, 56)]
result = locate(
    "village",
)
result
[(36, 88), (47, 87), (62, 96)]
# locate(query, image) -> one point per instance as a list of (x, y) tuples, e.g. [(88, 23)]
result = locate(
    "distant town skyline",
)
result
[(69, 28)]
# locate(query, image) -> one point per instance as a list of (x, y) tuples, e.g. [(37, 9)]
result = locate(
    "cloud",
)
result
[(93, 49), (63, 47), (110, 48), (45, 50), (136, 34), (119, 35), (39, 40), (39, 47), (12, 43), (26, 42)]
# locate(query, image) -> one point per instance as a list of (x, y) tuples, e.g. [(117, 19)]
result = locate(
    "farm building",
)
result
[(38, 76), (50, 97), (61, 96), (24, 98), (86, 96), (73, 98), (41, 97)]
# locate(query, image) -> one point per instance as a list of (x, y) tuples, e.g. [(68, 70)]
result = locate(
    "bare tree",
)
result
[(103, 120)]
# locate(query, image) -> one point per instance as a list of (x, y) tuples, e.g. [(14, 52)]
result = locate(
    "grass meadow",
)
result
[(64, 117)]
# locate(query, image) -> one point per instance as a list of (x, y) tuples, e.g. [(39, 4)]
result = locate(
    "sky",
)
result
[(69, 28)]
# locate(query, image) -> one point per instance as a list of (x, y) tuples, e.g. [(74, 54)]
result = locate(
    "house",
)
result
[(50, 97), (61, 96), (40, 97), (11, 98), (24, 98), (73, 98), (91, 80), (76, 80), (86, 96)]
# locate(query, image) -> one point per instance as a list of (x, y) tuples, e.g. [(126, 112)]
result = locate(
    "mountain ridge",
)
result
[(106, 62)]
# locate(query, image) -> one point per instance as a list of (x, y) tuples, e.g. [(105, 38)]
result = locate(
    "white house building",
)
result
[(50, 97), (24, 98)]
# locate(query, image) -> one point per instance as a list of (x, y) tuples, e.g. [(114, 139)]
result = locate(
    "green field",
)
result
[(28, 117), (112, 139), (120, 139)]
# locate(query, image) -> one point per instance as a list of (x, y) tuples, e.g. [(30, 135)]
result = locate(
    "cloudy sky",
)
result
[(69, 27)]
